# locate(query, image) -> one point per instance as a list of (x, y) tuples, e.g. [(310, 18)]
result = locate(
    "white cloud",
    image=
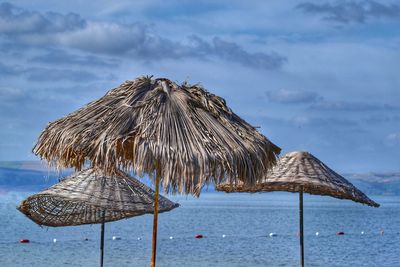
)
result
[(392, 139), (135, 40), (286, 96), (352, 11), (15, 20), (106, 38)]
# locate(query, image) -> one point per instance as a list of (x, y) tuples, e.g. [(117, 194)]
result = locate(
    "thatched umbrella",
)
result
[(91, 197), (182, 136), (302, 172)]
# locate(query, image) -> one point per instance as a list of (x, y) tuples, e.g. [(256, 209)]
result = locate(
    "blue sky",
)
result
[(321, 76)]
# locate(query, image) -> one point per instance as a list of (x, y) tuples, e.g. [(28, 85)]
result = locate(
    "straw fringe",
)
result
[(190, 133)]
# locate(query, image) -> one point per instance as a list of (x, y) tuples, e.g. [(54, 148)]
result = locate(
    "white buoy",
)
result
[(272, 234), (171, 237), (139, 238), (317, 233), (362, 232), (54, 240), (116, 238), (223, 236)]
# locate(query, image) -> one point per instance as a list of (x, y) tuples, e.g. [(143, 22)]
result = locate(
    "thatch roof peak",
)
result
[(186, 134)]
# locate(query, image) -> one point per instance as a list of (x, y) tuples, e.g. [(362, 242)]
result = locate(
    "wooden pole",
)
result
[(102, 241), (301, 228), (155, 220)]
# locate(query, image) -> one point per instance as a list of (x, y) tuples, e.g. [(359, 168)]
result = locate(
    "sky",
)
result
[(319, 76)]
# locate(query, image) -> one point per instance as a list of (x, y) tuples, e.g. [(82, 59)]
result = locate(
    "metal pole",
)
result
[(102, 241), (155, 221), (301, 228)]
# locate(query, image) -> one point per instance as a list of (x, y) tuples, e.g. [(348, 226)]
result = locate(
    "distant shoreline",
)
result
[(31, 174)]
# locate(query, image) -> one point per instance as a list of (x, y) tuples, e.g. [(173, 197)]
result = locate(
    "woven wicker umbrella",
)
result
[(91, 197), (182, 136), (302, 172)]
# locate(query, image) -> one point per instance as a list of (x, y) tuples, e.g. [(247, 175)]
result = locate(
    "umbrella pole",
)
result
[(155, 221), (102, 241), (301, 228)]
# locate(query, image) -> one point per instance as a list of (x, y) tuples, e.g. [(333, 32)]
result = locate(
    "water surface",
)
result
[(245, 219)]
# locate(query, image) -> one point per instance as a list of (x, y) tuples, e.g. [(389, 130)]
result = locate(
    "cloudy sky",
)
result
[(322, 76)]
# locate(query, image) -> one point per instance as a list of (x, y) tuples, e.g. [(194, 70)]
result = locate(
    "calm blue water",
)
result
[(245, 219)]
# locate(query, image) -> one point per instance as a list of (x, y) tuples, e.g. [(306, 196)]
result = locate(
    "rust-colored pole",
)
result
[(155, 220), (301, 228)]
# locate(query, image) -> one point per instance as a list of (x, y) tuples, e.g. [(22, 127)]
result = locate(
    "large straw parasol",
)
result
[(91, 197), (302, 172), (182, 136)]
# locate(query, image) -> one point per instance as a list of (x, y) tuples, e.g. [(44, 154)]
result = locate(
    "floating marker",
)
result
[(317, 233), (198, 236), (340, 233), (272, 234), (171, 237), (223, 236), (139, 238), (55, 240), (116, 238), (24, 241), (362, 232)]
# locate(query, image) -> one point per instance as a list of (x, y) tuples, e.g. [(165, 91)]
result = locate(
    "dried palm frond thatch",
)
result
[(91, 197), (301, 171), (185, 134)]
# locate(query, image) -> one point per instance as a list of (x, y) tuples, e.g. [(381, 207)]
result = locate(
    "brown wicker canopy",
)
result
[(298, 171), (186, 135), (85, 197)]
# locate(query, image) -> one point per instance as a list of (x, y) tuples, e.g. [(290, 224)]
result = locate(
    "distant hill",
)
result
[(24, 165), (27, 176), (376, 183), (15, 179), (35, 176)]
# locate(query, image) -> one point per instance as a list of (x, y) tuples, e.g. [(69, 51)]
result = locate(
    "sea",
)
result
[(236, 231)]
